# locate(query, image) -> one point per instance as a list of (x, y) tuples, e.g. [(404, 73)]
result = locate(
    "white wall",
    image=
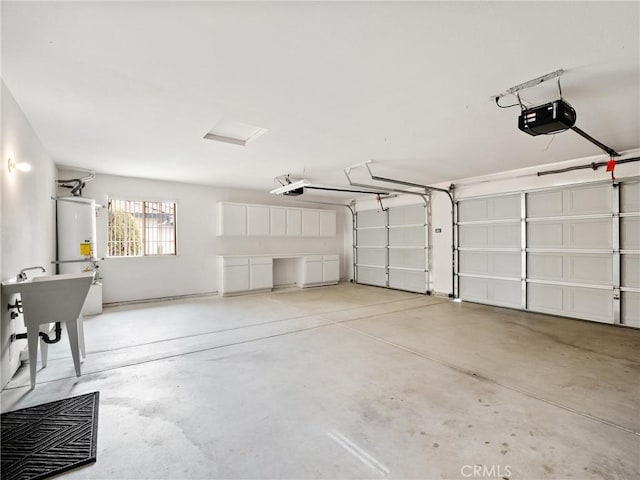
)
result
[(193, 270), (27, 215), (508, 181)]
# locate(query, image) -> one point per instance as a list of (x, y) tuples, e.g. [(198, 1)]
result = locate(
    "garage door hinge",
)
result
[(616, 294)]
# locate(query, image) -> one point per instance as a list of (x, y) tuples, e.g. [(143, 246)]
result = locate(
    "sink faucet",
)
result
[(22, 276)]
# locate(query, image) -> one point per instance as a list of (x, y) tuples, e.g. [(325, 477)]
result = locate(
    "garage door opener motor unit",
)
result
[(552, 117)]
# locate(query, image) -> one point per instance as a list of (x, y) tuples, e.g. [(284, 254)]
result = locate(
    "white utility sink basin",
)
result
[(47, 299)]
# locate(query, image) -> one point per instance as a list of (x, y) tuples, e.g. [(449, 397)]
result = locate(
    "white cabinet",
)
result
[(246, 274), (327, 223), (319, 270), (278, 221), (293, 222), (258, 222), (239, 219), (310, 270), (260, 273), (232, 219), (330, 268), (310, 223), (234, 274)]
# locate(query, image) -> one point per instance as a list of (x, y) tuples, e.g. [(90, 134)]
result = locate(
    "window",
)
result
[(138, 228)]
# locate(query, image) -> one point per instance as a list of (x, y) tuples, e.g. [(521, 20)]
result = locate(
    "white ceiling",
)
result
[(131, 88)]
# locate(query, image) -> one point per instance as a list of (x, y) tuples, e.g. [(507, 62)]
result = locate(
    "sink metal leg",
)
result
[(44, 350), (72, 331), (32, 345), (83, 351)]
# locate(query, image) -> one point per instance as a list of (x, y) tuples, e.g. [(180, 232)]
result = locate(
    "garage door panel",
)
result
[(544, 204), (630, 271), (630, 197), (375, 237), (473, 235), (489, 209), (492, 236), (503, 293), (505, 235), (545, 235), (407, 236), (577, 302), (410, 258), (407, 215), (474, 289), (588, 200), (371, 218), (545, 266), (630, 233), (372, 276), (473, 210), (587, 233), (371, 256), (575, 201), (630, 311), (501, 264), (590, 304), (594, 269), (545, 298), (407, 280)]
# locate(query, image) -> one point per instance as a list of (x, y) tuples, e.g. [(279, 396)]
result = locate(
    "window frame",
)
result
[(144, 204)]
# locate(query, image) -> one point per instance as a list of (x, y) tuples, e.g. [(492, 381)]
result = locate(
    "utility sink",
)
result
[(47, 299)]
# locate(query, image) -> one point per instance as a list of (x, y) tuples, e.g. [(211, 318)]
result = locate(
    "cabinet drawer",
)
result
[(260, 260), (230, 262)]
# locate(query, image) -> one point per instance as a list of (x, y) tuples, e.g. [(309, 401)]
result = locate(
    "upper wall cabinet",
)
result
[(232, 219), (238, 219), (294, 222), (310, 223), (258, 221), (278, 219), (327, 223)]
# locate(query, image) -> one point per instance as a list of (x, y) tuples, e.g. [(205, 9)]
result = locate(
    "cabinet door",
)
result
[(236, 278), (293, 222), (328, 223), (313, 271), (278, 222), (232, 219), (258, 221), (310, 223), (331, 271), (261, 276)]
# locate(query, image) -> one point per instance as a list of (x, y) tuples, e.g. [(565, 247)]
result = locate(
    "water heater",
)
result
[(76, 235), (76, 225)]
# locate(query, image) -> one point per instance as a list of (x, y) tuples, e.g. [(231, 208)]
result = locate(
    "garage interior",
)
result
[(330, 239)]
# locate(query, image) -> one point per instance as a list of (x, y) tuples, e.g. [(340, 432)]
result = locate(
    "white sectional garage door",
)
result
[(630, 253), (392, 248), (572, 251)]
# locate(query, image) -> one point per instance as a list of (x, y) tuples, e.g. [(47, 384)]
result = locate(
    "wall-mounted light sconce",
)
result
[(22, 166)]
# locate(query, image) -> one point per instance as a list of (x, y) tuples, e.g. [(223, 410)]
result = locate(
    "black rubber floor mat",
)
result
[(48, 439)]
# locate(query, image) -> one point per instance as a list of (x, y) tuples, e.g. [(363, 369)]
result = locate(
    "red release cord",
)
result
[(611, 165)]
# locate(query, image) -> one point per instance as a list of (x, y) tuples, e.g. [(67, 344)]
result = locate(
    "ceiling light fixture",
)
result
[(22, 166)]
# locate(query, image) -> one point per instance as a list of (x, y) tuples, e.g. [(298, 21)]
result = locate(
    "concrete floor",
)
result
[(350, 382)]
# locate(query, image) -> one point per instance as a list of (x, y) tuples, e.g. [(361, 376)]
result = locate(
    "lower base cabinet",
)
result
[(260, 273), (318, 270), (237, 275)]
